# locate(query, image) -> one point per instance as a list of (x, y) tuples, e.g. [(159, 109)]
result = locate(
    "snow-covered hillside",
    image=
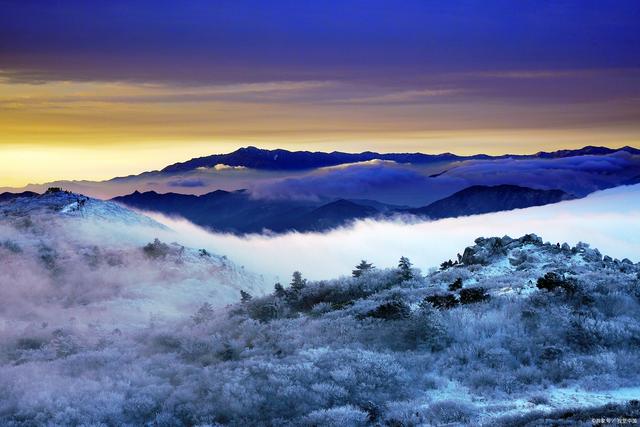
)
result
[(511, 332), (68, 258)]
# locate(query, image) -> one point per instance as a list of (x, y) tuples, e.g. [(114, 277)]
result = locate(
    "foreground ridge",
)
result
[(513, 330)]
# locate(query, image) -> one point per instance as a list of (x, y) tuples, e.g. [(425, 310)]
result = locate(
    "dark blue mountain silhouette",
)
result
[(479, 199), (10, 196), (237, 212)]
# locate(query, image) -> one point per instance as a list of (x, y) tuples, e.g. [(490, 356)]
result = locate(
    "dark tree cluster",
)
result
[(473, 295), (391, 310), (553, 281), (465, 296), (456, 285), (442, 301)]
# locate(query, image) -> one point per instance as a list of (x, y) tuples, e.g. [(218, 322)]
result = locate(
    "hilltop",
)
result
[(104, 263)]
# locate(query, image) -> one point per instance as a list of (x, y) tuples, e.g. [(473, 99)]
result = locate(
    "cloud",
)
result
[(404, 184), (579, 175), (188, 183), (530, 74), (385, 181), (403, 97), (66, 93), (221, 167)]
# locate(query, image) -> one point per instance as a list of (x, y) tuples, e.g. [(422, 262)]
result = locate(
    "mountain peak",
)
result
[(58, 203)]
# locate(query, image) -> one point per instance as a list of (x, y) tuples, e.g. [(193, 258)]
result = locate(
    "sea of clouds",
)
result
[(608, 220)]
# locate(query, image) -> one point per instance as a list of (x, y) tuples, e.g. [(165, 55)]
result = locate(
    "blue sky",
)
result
[(257, 40)]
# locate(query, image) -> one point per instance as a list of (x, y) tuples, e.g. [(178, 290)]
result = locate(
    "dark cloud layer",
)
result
[(356, 40)]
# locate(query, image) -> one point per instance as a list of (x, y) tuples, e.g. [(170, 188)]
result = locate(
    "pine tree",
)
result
[(404, 267), (297, 282), (245, 296), (361, 268), (279, 290)]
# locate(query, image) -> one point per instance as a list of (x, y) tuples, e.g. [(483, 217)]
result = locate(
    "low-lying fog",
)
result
[(609, 220)]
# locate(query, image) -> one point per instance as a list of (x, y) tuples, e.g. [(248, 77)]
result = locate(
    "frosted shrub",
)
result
[(451, 412), (337, 417)]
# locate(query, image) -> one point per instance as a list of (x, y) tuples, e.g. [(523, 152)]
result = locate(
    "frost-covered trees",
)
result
[(451, 347), (204, 313)]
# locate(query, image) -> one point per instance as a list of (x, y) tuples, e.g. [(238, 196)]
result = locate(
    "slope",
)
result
[(480, 199)]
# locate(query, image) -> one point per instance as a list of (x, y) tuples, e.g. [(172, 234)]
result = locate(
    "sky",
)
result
[(92, 90)]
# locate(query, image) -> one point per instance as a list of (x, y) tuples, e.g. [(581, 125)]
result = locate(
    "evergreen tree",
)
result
[(447, 264), (279, 290), (245, 296), (297, 282), (404, 267), (361, 268)]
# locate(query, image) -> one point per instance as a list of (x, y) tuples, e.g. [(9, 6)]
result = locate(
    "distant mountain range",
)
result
[(256, 158), (481, 199), (412, 180), (10, 196), (238, 212)]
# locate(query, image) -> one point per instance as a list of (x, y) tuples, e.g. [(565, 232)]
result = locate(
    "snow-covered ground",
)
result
[(64, 256)]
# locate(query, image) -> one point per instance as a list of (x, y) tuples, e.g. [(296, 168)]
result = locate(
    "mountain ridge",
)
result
[(281, 159), (239, 213), (480, 199)]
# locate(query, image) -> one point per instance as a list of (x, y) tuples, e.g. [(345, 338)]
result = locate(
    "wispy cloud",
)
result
[(74, 92), (528, 74), (402, 97), (523, 74)]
